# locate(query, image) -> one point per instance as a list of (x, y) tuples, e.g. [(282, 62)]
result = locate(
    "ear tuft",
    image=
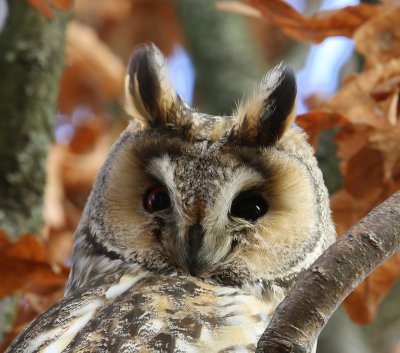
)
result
[(148, 88), (269, 111)]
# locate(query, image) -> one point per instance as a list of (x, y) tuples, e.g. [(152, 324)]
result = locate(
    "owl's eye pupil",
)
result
[(249, 206), (156, 199)]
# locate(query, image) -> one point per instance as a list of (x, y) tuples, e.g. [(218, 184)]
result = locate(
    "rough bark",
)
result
[(318, 292), (31, 61)]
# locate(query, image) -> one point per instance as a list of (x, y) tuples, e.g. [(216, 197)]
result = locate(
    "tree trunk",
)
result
[(225, 55), (31, 61)]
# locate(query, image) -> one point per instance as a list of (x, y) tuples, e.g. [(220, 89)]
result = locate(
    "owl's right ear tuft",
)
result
[(149, 92), (263, 118)]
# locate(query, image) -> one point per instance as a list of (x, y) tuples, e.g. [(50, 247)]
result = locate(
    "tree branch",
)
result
[(318, 292)]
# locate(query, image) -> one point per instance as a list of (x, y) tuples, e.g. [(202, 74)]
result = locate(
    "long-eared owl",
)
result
[(196, 227)]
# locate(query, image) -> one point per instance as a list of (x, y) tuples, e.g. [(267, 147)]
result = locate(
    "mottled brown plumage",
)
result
[(196, 226), (139, 312)]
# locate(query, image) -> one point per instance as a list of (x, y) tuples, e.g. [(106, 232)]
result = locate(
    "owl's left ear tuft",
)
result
[(263, 118), (149, 92)]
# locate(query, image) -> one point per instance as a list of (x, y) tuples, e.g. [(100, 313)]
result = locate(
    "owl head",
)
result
[(233, 200)]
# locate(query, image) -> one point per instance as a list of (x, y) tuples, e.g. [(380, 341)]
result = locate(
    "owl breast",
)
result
[(135, 311)]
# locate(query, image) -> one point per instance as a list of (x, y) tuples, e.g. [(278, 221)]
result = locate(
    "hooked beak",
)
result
[(194, 239)]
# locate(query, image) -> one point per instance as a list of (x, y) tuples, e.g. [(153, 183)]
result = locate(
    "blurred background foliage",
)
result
[(348, 103)]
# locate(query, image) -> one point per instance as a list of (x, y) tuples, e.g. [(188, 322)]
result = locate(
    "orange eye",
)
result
[(156, 199)]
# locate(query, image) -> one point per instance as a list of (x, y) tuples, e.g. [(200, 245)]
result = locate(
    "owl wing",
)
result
[(134, 311)]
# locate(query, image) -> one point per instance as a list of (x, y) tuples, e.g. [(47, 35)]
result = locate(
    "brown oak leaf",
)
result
[(314, 28), (26, 262), (46, 7), (379, 38)]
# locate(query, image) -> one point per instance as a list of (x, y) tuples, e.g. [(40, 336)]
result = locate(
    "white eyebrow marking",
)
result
[(242, 179), (163, 169)]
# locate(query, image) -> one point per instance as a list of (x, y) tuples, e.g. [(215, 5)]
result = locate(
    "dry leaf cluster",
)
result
[(365, 111)]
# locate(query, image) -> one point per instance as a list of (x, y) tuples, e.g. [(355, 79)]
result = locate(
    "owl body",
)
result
[(196, 227)]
